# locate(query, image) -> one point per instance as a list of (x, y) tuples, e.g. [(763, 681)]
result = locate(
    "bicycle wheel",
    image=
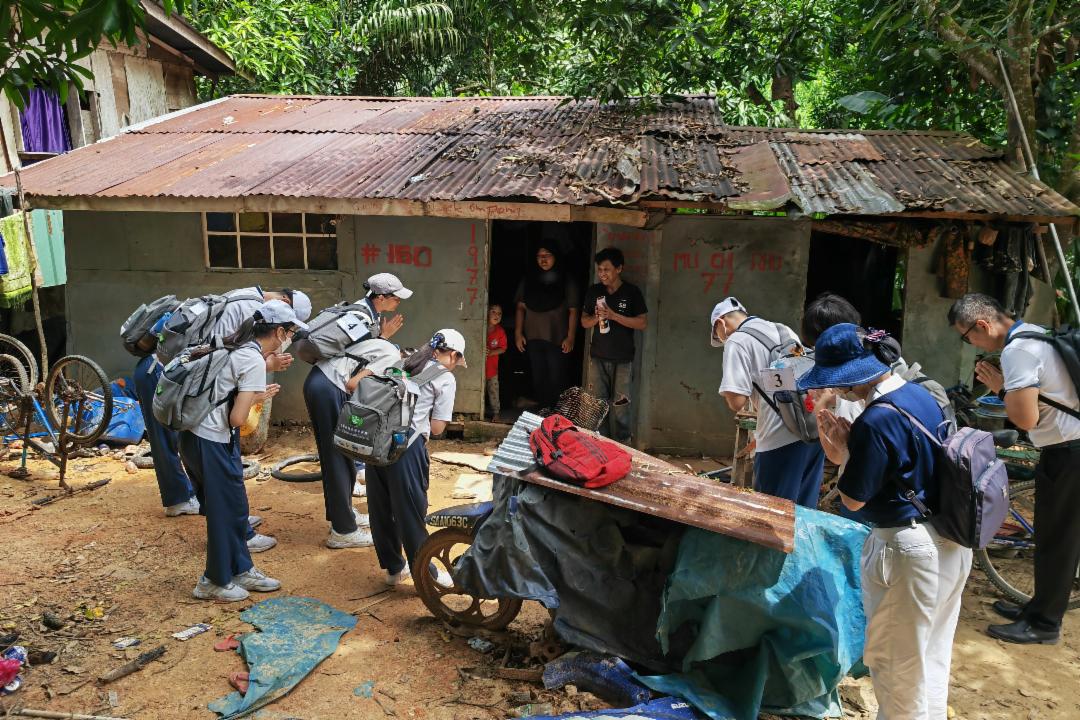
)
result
[(79, 383), (19, 351), (1009, 559), (14, 385)]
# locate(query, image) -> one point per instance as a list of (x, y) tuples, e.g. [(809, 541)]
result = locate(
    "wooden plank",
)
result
[(119, 88), (146, 89), (657, 488), (179, 86), (103, 102)]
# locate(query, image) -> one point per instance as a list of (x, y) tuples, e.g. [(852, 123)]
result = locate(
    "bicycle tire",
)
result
[(251, 468), (12, 393), (59, 385), (986, 561), (278, 471), (14, 347)]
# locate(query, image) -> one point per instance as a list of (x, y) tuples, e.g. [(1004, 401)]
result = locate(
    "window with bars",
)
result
[(263, 240)]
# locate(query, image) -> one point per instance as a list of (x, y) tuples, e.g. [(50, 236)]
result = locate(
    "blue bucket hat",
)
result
[(841, 360)]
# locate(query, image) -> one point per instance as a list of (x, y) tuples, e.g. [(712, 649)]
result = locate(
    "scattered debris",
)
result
[(608, 677), (479, 644), (49, 715), (52, 621), (532, 710), (366, 689), (192, 631), (126, 642), (48, 500), (134, 666)]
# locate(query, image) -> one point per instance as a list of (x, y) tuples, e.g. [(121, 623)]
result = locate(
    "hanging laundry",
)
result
[(44, 125), (15, 285)]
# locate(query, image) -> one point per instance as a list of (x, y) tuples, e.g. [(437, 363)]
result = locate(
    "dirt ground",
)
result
[(113, 549)]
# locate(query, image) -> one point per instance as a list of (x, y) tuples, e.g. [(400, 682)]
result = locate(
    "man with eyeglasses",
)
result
[(1039, 397)]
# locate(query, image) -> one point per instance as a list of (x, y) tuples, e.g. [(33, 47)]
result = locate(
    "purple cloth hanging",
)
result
[(44, 125)]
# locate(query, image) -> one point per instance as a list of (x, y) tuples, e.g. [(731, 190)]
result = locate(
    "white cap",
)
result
[(277, 312), (301, 303), (455, 341), (387, 284), (725, 307)]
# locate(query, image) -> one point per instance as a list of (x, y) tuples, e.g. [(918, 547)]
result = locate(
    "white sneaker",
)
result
[(358, 538), (261, 543), (256, 581), (359, 489), (254, 521), (362, 520), (398, 577), (188, 507), (443, 579), (207, 590)]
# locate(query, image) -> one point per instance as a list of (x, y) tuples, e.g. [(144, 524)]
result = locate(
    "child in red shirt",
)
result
[(496, 346)]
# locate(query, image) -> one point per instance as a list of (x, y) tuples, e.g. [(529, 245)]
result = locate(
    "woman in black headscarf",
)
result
[(547, 319)]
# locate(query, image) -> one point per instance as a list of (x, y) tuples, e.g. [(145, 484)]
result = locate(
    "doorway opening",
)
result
[(868, 275), (514, 246)]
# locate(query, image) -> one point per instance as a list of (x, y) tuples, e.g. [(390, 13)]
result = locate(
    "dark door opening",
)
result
[(514, 246), (869, 275)]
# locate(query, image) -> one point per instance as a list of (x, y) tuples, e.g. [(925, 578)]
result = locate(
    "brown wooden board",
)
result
[(658, 488)]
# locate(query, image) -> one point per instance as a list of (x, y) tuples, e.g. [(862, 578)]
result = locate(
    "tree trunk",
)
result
[(1019, 66), (1070, 166)]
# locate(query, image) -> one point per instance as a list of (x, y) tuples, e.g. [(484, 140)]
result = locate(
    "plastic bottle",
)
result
[(605, 326)]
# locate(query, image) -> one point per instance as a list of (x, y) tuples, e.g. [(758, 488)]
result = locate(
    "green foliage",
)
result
[(42, 41)]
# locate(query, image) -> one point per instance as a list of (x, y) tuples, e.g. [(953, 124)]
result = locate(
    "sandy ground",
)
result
[(113, 549)]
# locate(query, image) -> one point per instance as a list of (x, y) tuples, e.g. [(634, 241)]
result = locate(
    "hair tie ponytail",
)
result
[(884, 346)]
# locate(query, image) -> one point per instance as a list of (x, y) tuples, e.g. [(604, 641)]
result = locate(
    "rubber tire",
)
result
[(145, 461), (20, 370), (251, 468), (430, 593), (986, 562), (278, 471), (12, 397), (15, 348), (106, 393)]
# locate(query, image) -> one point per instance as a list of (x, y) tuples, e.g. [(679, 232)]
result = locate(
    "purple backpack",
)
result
[(972, 481)]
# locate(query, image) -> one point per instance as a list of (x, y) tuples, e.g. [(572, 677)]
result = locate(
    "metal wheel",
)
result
[(14, 387), (1008, 560), (81, 384), (451, 603), (19, 351), (278, 471)]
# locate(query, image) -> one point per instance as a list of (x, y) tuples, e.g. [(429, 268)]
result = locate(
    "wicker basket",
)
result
[(580, 408)]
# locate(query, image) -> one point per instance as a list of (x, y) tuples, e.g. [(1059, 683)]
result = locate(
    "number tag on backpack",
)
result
[(353, 326), (776, 379)]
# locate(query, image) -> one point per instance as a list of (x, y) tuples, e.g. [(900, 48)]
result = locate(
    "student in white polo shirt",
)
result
[(784, 465), (1040, 398)]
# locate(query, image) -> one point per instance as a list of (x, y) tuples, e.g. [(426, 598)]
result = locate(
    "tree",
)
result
[(41, 43)]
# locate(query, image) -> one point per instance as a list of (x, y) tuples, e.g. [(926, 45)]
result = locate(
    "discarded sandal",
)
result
[(229, 643), (239, 680)]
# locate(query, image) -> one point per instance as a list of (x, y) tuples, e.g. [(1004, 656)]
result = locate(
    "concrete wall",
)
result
[(117, 260)]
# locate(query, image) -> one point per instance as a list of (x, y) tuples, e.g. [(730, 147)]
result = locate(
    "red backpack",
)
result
[(574, 456)]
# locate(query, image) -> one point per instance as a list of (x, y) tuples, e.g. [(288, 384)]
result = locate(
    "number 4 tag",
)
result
[(777, 379)]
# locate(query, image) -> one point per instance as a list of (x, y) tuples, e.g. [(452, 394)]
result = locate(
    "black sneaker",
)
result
[(1021, 632)]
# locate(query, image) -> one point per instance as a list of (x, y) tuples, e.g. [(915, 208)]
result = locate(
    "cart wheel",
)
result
[(11, 346), (278, 471), (452, 604), (80, 383)]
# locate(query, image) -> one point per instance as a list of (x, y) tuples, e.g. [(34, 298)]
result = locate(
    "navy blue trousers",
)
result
[(793, 472), (173, 483), (397, 504), (324, 400), (218, 476)]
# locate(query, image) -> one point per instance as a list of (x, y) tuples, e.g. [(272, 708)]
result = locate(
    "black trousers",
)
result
[(397, 505), (324, 400), (1057, 535), (547, 362)]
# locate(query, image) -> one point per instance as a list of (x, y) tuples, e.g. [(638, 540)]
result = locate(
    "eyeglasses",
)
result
[(964, 337)]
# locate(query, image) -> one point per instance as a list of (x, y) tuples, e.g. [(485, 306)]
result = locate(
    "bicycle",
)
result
[(72, 407)]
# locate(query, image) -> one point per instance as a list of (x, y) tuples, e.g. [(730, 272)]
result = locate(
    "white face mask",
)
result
[(285, 345), (848, 394)]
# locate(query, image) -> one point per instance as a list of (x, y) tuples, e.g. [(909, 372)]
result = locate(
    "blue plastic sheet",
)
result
[(660, 709), (295, 635), (608, 678), (774, 632)]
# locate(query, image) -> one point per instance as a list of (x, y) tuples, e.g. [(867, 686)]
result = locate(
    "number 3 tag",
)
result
[(776, 379)]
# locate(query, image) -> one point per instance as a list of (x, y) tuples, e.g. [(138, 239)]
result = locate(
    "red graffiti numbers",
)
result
[(766, 262), (472, 269), (686, 261), (416, 255)]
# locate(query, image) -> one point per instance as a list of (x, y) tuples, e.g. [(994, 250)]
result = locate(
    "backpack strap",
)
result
[(770, 347), (1046, 338), (428, 374), (909, 492)]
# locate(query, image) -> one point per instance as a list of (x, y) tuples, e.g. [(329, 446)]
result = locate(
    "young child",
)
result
[(496, 346)]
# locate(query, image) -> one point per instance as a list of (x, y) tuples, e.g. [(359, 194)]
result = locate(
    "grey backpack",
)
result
[(790, 406), (136, 333), (332, 333), (187, 390), (192, 324), (375, 425)]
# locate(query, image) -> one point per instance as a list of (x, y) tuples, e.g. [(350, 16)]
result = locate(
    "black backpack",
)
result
[(1066, 341)]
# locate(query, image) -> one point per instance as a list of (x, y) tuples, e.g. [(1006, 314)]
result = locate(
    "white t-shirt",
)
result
[(245, 371), (1034, 363), (236, 312), (379, 354), (744, 358), (435, 402)]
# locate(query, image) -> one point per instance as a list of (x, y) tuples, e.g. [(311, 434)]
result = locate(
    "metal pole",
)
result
[(1035, 173)]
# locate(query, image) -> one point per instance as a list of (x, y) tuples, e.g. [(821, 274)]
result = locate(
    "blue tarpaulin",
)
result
[(660, 709), (773, 632), (295, 635)]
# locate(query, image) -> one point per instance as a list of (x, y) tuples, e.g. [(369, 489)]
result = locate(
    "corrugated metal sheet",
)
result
[(537, 149)]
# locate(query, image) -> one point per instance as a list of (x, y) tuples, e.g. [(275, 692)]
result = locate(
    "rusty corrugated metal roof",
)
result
[(535, 149)]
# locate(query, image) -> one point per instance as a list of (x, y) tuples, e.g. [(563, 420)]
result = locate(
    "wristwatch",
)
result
[(1001, 394)]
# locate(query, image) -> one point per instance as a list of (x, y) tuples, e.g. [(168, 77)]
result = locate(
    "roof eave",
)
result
[(176, 32)]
